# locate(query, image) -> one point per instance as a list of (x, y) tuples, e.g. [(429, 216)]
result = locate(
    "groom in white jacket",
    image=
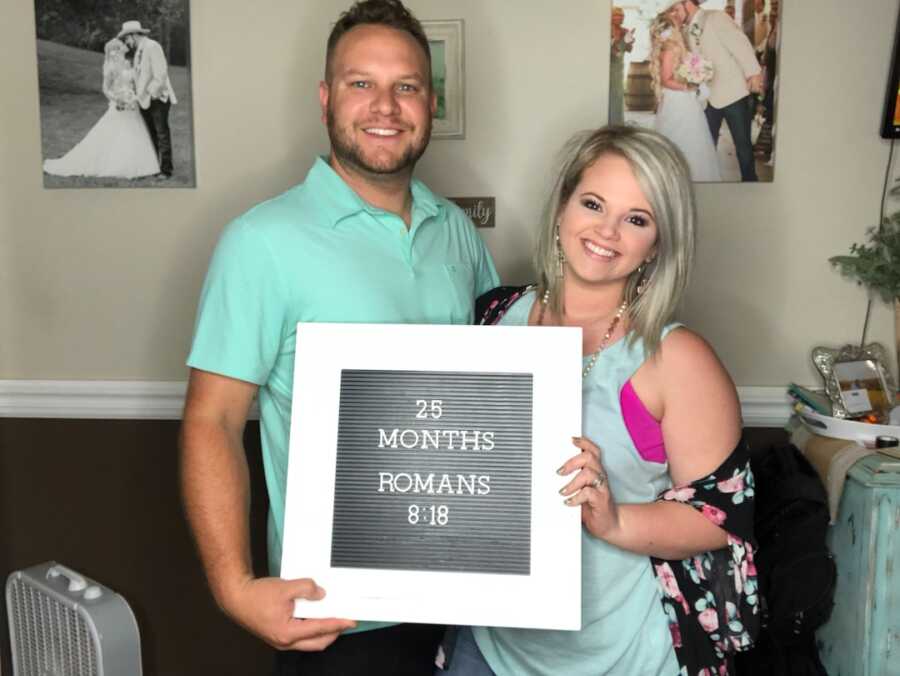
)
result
[(737, 76), (153, 89)]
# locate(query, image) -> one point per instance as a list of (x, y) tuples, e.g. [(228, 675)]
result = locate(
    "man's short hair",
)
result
[(391, 13)]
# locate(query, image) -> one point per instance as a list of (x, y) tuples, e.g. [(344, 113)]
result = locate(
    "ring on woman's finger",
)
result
[(600, 480)]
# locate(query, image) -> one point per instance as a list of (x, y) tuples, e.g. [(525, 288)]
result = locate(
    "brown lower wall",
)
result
[(102, 498)]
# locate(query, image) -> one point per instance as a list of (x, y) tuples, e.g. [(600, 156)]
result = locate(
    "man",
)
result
[(749, 18), (770, 68), (737, 74), (153, 89), (760, 26), (755, 22), (358, 241)]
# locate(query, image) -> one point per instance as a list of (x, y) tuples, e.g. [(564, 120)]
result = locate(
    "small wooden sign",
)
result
[(480, 209)]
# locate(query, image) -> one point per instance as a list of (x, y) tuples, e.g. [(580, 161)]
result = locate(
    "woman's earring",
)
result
[(560, 256), (644, 279), (642, 286)]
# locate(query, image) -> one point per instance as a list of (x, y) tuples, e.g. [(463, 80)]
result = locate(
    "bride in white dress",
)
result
[(679, 113), (119, 144)]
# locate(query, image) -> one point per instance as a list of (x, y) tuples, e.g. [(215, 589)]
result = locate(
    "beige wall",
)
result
[(102, 284)]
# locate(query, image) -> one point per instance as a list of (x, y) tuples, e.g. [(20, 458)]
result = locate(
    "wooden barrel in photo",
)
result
[(639, 87)]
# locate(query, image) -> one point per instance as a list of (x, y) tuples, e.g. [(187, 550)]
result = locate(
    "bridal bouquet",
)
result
[(124, 99), (695, 69)]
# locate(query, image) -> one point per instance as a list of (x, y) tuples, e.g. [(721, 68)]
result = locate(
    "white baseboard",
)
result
[(145, 400), (103, 399), (764, 406)]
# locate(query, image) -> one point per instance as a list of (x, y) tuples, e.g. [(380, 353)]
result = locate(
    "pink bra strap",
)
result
[(644, 429)]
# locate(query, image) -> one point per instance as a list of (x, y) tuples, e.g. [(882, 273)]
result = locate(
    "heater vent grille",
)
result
[(52, 639)]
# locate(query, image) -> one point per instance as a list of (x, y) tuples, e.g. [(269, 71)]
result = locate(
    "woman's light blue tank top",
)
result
[(625, 631)]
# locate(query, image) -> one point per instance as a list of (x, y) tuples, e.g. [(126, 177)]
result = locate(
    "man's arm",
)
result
[(159, 69), (740, 47), (141, 75), (216, 489)]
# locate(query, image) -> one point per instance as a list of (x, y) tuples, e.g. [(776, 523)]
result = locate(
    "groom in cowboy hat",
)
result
[(153, 88)]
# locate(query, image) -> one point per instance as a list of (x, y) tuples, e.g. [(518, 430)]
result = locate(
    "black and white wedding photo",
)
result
[(115, 93)]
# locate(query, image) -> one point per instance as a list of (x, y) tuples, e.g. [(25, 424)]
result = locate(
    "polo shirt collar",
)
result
[(338, 201), (425, 202)]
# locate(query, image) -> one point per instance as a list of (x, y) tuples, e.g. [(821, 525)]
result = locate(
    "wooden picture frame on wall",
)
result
[(726, 132), (446, 39)]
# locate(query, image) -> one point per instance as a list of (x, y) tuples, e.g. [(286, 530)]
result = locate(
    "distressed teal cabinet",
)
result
[(862, 638)]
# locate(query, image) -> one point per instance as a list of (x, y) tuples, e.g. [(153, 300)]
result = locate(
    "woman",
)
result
[(667, 572), (621, 41), (679, 113), (119, 144)]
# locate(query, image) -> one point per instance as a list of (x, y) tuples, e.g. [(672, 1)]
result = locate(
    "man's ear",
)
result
[(433, 102), (324, 93)]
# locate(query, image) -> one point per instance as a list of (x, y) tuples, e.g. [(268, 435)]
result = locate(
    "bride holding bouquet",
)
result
[(679, 80)]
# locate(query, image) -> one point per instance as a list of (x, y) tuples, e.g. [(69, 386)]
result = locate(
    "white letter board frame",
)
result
[(549, 595)]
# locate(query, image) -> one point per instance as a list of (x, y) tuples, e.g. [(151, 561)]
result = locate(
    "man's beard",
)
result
[(348, 151)]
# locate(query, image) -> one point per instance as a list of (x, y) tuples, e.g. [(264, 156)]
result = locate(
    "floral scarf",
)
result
[(711, 599)]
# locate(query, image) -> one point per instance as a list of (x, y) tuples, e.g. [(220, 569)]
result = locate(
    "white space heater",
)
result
[(64, 624)]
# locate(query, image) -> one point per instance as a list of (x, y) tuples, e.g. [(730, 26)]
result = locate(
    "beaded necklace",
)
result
[(606, 336)]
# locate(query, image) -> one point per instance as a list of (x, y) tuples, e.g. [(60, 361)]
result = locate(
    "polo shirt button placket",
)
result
[(406, 241), (409, 262)]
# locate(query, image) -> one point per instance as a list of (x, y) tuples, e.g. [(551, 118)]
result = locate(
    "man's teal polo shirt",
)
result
[(319, 253)]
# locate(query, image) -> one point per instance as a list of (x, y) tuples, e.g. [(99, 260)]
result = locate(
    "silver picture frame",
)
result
[(856, 379)]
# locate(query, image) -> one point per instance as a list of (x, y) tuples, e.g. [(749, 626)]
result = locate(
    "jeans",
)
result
[(401, 650), (465, 657), (738, 116), (157, 119)]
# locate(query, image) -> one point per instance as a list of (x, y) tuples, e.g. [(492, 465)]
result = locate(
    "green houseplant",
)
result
[(876, 265)]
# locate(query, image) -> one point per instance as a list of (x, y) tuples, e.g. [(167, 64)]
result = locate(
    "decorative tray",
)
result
[(839, 428)]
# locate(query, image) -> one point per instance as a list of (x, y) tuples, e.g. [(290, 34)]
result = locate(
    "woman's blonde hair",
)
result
[(115, 57), (114, 45), (664, 34), (662, 174)]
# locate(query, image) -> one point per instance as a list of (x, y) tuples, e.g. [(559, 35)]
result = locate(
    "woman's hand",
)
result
[(590, 489)]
